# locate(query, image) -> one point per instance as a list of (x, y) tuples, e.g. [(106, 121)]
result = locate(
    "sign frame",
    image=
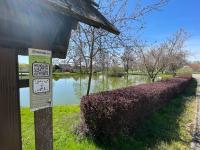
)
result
[(40, 100)]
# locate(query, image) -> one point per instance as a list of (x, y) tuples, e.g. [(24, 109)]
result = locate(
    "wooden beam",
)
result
[(24, 83), (10, 124)]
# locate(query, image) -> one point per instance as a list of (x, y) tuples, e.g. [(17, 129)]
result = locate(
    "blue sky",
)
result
[(176, 14), (161, 24)]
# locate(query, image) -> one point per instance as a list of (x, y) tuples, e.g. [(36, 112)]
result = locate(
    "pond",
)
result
[(68, 90)]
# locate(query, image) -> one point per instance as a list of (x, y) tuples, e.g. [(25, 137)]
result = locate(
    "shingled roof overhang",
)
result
[(46, 24), (82, 10)]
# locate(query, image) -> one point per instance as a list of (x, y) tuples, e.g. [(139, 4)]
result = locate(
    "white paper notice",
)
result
[(41, 86)]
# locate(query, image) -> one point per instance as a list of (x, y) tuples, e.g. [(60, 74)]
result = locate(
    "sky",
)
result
[(177, 14), (160, 24)]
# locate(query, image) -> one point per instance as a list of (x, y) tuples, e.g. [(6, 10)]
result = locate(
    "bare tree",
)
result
[(177, 61), (78, 46), (128, 57), (91, 41), (177, 53), (153, 60), (169, 54)]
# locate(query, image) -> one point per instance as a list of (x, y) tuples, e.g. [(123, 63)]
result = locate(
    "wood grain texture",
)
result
[(10, 123), (25, 24), (43, 129)]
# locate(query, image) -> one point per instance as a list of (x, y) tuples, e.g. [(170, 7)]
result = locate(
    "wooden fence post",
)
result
[(10, 122)]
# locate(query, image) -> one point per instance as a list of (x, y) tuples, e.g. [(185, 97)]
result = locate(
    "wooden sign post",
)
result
[(40, 83), (43, 129)]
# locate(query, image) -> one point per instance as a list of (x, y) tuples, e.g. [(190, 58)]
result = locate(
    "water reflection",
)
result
[(69, 89)]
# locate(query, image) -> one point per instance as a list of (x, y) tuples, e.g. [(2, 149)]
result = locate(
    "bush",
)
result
[(116, 71), (185, 72), (119, 112)]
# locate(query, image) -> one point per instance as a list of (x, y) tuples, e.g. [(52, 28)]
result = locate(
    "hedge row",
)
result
[(111, 113)]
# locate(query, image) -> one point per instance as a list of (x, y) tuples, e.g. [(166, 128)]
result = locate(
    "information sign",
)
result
[(40, 79)]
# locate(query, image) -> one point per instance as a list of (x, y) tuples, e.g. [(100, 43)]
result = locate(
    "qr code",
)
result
[(41, 70), (41, 85)]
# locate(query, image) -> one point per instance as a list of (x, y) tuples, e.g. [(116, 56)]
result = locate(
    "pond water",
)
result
[(69, 90)]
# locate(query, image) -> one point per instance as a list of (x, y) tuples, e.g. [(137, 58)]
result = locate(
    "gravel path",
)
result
[(196, 139)]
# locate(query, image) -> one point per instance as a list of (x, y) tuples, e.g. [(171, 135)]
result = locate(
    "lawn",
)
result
[(168, 129), (166, 76)]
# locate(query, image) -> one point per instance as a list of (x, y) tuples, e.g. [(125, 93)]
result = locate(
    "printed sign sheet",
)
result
[(40, 79)]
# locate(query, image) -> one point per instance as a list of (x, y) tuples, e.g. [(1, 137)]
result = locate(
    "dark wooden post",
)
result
[(10, 122), (43, 129)]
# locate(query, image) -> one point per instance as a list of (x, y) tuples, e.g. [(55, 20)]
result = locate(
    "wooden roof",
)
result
[(84, 11), (46, 24)]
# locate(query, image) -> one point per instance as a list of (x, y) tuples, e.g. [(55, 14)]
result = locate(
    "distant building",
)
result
[(65, 68)]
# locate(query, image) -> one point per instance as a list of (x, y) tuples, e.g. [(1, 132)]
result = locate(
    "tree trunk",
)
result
[(90, 76), (80, 67), (107, 69), (127, 80), (174, 73), (127, 68), (91, 61), (154, 77), (80, 84)]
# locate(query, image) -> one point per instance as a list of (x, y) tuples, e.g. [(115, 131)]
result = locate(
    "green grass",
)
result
[(136, 73), (196, 73), (68, 75), (24, 77), (166, 76), (64, 73), (65, 118), (167, 129), (56, 75)]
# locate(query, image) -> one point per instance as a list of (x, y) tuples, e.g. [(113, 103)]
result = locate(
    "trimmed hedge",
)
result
[(109, 114)]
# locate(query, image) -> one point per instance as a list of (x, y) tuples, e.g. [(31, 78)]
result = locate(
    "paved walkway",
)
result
[(196, 139)]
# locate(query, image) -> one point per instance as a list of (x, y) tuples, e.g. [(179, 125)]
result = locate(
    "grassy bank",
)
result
[(65, 118), (65, 73), (168, 129), (77, 74), (166, 76)]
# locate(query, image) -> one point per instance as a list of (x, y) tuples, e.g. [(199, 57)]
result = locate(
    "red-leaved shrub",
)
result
[(112, 113)]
